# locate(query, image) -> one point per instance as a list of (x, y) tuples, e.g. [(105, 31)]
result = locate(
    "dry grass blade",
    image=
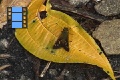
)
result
[(45, 69), (4, 56), (4, 66)]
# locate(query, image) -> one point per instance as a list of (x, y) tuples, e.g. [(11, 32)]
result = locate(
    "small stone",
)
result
[(53, 72), (108, 7), (65, 72), (108, 33), (23, 77), (4, 72), (3, 44)]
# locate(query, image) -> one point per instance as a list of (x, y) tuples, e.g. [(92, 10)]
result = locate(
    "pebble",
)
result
[(108, 33), (108, 7), (3, 44), (53, 72), (23, 77)]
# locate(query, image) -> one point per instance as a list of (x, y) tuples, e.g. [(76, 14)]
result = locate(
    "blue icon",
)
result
[(16, 9), (17, 17), (16, 24)]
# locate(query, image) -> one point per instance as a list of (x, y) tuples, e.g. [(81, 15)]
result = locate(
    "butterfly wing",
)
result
[(62, 40)]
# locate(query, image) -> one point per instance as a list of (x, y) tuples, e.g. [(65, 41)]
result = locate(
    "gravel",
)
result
[(108, 7)]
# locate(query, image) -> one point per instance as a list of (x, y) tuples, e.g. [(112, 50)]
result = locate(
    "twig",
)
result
[(11, 41), (45, 69), (4, 56), (4, 66), (117, 76)]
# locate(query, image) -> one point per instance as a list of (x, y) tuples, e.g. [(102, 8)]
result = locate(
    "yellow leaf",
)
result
[(42, 35)]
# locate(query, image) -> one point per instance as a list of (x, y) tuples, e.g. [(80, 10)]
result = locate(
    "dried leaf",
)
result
[(42, 34)]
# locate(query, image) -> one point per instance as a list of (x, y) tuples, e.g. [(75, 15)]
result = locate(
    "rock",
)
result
[(77, 2), (108, 33), (53, 72), (24, 78), (108, 7), (3, 44)]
